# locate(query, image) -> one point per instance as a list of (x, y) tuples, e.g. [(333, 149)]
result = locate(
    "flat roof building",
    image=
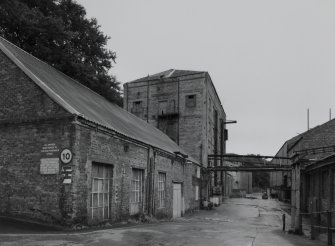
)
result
[(184, 105)]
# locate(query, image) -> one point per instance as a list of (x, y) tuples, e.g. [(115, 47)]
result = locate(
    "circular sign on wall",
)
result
[(66, 156)]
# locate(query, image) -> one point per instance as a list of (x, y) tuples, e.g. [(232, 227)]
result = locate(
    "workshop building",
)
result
[(68, 156), (317, 137)]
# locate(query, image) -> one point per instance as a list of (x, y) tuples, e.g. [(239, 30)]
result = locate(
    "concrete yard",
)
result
[(237, 222)]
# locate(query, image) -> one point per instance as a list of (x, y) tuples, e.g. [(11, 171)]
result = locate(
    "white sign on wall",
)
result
[(49, 162), (66, 156), (49, 166)]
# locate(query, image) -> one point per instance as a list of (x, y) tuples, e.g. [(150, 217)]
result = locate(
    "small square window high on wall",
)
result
[(190, 101), (137, 107)]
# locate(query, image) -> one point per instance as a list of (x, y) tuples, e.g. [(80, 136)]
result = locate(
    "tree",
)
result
[(59, 33)]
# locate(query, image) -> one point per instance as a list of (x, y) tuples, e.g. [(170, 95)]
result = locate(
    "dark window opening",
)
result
[(137, 107), (190, 101), (225, 134)]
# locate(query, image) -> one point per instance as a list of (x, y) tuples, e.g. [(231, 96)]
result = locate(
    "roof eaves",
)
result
[(135, 140), (149, 78), (328, 160), (39, 82), (58, 99)]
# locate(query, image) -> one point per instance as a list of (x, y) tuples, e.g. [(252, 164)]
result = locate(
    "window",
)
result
[(190, 101), (325, 185), (161, 189), (198, 172), (197, 192), (172, 106), (137, 186), (137, 107), (100, 193), (162, 107)]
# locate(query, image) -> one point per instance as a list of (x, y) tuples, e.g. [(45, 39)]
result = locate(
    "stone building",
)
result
[(184, 105), (319, 136), (69, 156)]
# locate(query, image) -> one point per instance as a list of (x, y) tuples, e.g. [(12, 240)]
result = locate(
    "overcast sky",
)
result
[(270, 60)]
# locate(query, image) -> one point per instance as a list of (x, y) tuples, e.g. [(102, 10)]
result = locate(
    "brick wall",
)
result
[(29, 121), (106, 149), (20, 98), (24, 191)]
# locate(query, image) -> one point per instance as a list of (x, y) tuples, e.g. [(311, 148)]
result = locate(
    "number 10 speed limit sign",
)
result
[(66, 156)]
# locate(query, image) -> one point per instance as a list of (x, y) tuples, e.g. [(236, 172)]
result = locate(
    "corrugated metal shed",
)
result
[(80, 100)]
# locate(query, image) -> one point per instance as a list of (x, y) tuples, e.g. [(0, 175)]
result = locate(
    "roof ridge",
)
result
[(33, 76), (90, 106), (155, 76), (57, 70)]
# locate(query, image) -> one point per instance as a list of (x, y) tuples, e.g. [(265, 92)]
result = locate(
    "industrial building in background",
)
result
[(185, 105)]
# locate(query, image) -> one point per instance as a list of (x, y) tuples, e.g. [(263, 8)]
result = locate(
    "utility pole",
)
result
[(307, 119), (330, 113)]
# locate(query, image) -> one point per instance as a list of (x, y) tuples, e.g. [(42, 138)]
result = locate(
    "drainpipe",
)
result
[(150, 208), (178, 110), (148, 100)]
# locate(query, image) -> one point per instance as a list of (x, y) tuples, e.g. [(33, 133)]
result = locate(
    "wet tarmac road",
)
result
[(237, 222)]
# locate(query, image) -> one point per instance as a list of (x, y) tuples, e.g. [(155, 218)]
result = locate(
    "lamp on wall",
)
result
[(230, 122)]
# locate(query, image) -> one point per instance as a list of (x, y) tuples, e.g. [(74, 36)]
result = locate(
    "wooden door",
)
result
[(177, 200)]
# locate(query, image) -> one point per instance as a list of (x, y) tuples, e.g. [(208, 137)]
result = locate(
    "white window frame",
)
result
[(98, 189), (137, 185), (198, 172), (161, 189)]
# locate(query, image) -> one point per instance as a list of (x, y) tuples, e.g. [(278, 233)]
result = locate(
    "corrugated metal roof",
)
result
[(80, 100)]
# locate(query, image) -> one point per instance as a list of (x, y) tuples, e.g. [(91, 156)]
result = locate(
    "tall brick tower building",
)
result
[(184, 105)]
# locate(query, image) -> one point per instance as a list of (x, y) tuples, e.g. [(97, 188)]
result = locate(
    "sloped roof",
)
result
[(308, 134), (171, 73), (80, 100)]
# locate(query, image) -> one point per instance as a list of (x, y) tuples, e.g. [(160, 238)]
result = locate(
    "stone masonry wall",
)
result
[(188, 126)]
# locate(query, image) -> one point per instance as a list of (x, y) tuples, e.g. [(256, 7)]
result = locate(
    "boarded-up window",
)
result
[(162, 107), (161, 189), (172, 106), (190, 101), (100, 193)]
